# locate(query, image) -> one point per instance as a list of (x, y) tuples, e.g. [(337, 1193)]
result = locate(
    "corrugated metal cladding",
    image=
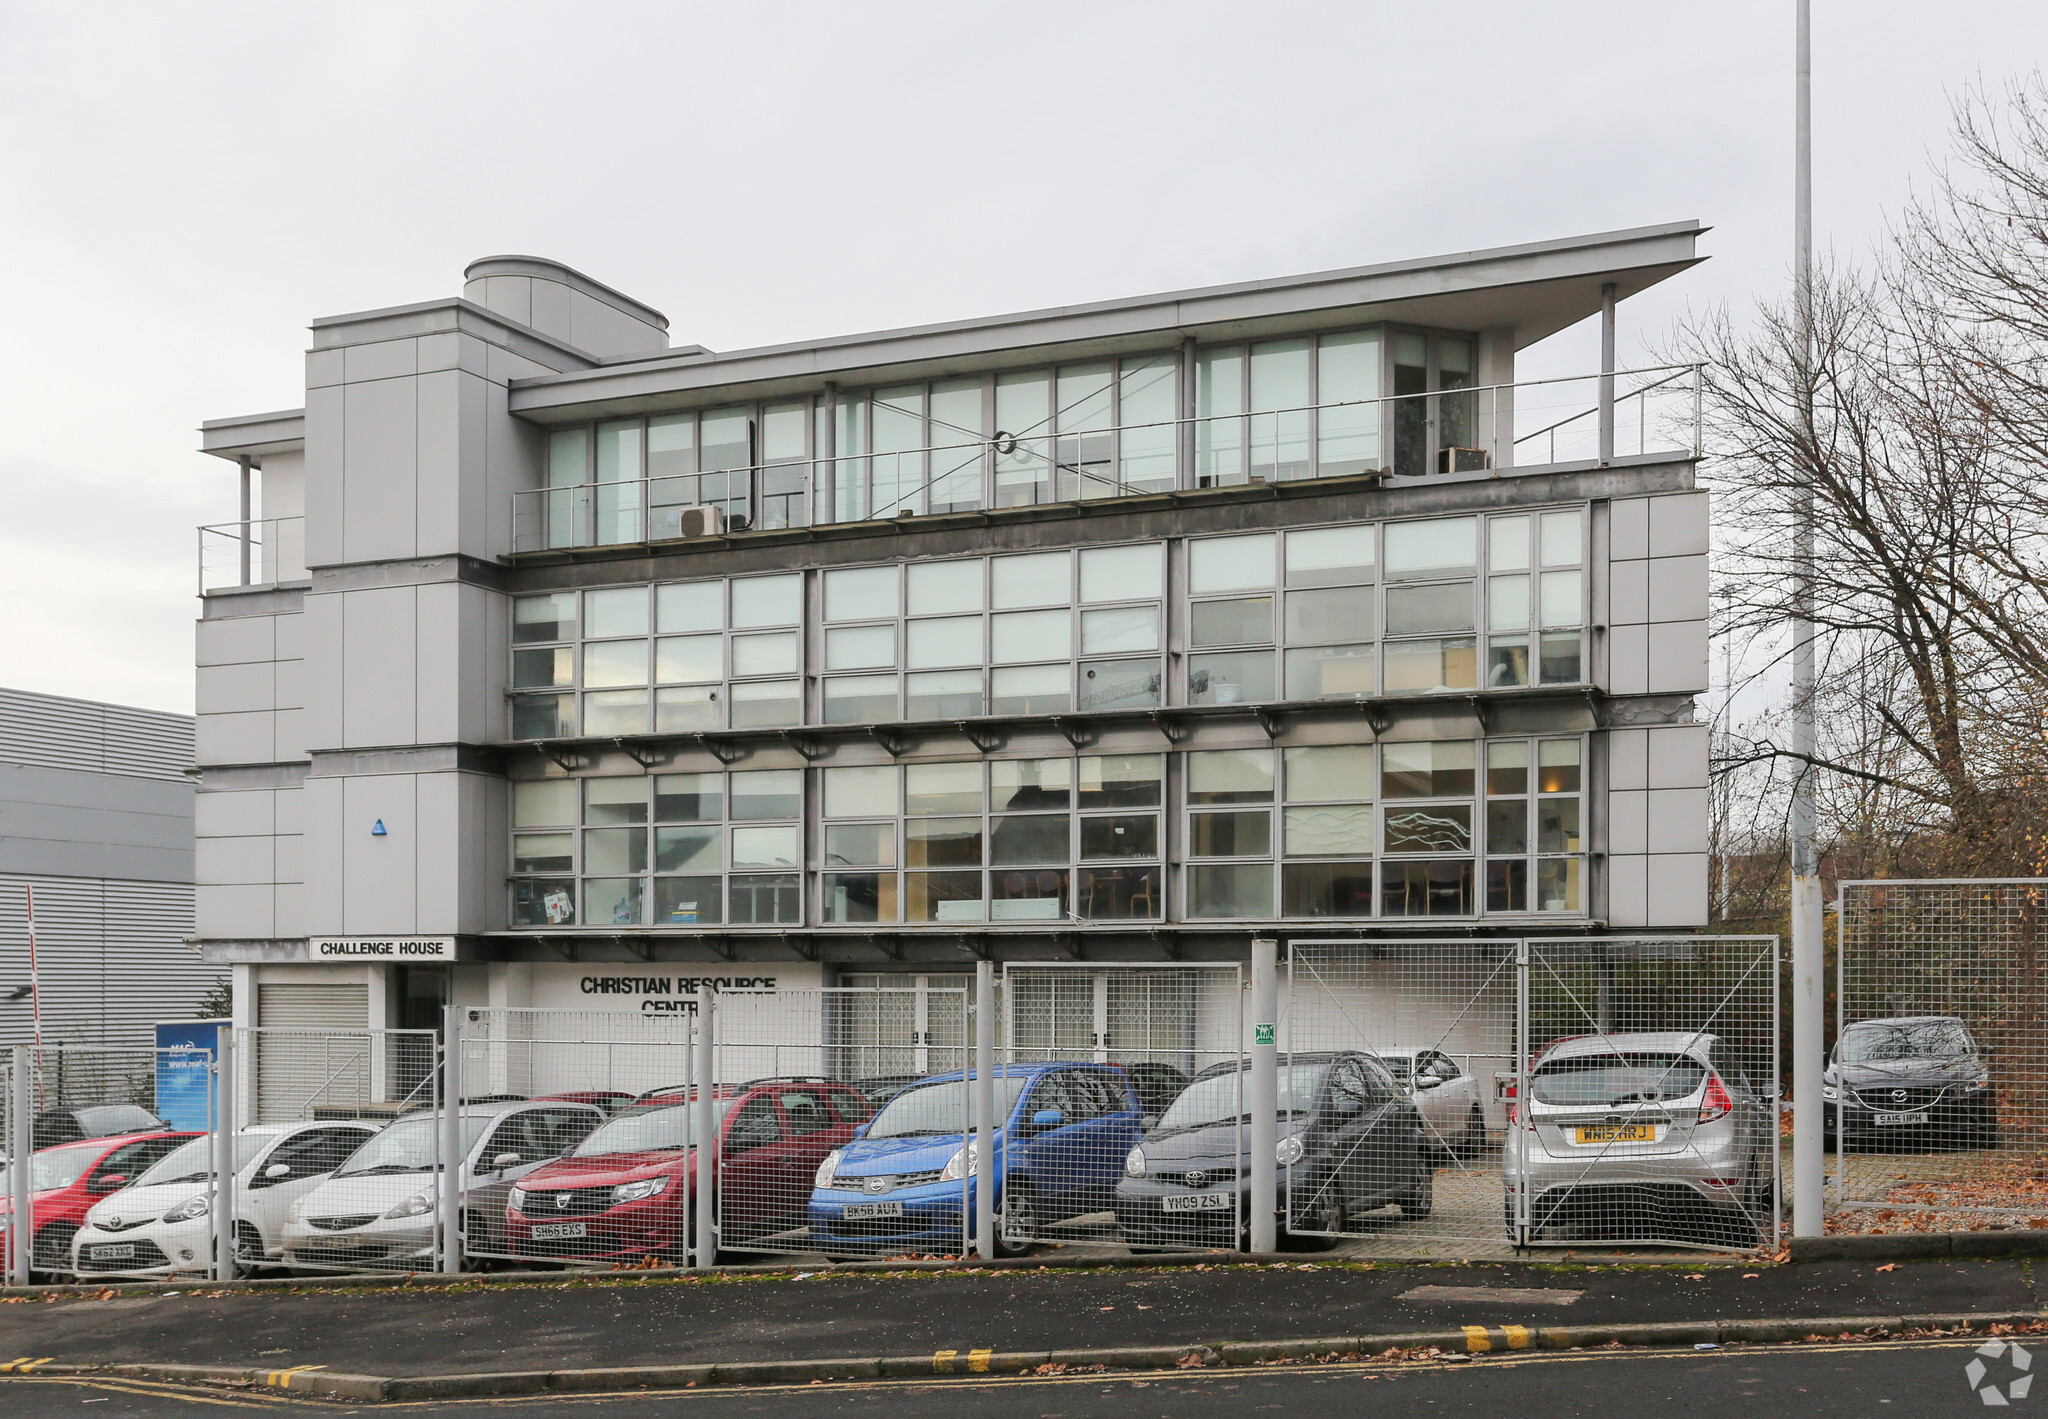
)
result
[(112, 959), (52, 732), (326, 1067)]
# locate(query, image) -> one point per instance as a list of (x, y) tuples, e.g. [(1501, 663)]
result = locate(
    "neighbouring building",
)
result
[(562, 664), (96, 822)]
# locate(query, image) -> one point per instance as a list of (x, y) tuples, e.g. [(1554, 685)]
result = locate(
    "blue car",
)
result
[(906, 1181)]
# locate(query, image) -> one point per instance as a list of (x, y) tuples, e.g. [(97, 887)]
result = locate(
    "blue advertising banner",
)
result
[(183, 1080)]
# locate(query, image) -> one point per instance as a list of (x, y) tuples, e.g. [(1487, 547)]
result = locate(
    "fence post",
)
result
[(704, 1175), (448, 1088), (1607, 373), (20, 1144), (985, 1109), (223, 1209), (1264, 1103), (1809, 1049)]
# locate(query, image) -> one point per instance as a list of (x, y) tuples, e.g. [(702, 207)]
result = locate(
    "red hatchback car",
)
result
[(65, 1181), (626, 1190)]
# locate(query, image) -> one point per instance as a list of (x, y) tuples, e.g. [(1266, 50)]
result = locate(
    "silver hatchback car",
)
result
[(1642, 1137)]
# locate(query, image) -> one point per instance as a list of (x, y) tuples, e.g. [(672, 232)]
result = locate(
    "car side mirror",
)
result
[(1048, 1118), (1429, 1081), (110, 1182), (504, 1161), (278, 1170)]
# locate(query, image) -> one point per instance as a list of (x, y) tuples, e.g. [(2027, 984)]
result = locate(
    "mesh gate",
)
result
[(798, 1071), (591, 1159), (1093, 1060), (1936, 1088), (1408, 1158), (1648, 1108)]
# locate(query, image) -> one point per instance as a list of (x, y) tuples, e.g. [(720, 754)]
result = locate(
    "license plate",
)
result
[(856, 1211), (1618, 1133), (124, 1251), (560, 1231), (1899, 1120), (1197, 1202)]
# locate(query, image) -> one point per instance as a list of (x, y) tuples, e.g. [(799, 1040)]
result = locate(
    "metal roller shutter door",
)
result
[(294, 1072)]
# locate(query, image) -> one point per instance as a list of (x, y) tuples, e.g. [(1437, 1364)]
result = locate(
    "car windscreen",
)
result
[(409, 1146), (646, 1129), (192, 1161), (56, 1167), (938, 1108), (1219, 1098), (1911, 1039), (106, 1120), (1621, 1077), (1398, 1065)]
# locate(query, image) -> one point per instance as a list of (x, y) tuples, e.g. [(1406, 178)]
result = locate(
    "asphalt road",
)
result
[(1800, 1382), (483, 1328)]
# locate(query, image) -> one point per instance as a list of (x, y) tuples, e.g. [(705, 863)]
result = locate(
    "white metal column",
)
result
[(223, 1182), (1264, 1103), (985, 1109), (704, 1247), (448, 1122), (21, 1220)]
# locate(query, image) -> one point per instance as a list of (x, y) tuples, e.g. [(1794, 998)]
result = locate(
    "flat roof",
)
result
[(1536, 289)]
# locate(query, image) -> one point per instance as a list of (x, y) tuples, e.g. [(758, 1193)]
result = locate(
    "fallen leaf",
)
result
[(1889, 1266)]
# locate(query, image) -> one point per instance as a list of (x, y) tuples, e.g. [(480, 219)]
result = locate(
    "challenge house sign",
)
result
[(382, 948)]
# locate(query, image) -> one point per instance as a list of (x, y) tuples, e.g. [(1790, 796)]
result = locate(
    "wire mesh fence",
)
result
[(1647, 1110), (591, 1154), (799, 1075), (1935, 1092), (1394, 1071), (1094, 1060)]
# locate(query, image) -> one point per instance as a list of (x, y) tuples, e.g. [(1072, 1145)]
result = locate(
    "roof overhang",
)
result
[(1534, 290), (253, 435)]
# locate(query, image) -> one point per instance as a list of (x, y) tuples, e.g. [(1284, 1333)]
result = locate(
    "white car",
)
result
[(160, 1224), (1447, 1097), (377, 1210)]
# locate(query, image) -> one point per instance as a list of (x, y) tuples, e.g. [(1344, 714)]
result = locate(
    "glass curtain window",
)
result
[(1347, 393), (1327, 831), (1231, 626), (1229, 833), (1023, 449), (1427, 867), (959, 449), (1148, 409), (1279, 426), (1535, 595)]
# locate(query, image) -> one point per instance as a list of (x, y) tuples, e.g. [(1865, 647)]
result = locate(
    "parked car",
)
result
[(905, 1183), (55, 1126), (377, 1209), (1638, 1136), (1922, 1078), (1350, 1142), (607, 1101), (1158, 1085), (883, 1088), (627, 1191), (161, 1224), (1446, 1096), (64, 1183)]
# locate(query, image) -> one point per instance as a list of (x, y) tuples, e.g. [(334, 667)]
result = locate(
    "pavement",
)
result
[(602, 1322), (1827, 1381)]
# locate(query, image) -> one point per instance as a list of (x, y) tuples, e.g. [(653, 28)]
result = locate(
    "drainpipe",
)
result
[(1607, 373), (246, 464)]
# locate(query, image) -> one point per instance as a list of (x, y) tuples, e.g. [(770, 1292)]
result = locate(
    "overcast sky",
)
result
[(187, 186)]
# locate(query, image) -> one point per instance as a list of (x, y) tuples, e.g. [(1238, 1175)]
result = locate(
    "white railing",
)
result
[(260, 552)]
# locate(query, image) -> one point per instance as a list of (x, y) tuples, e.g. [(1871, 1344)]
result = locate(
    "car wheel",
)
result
[(1327, 1215), (1016, 1221), (50, 1253), (248, 1249), (1420, 1200)]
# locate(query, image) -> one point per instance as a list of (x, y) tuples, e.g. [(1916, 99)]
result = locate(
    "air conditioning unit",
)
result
[(703, 520), (1463, 460)]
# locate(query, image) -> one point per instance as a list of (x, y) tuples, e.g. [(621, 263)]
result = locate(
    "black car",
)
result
[(1921, 1079), (1350, 1142), (54, 1126), (1158, 1085)]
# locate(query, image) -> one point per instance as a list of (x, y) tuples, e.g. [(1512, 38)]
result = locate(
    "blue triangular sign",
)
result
[(378, 831)]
